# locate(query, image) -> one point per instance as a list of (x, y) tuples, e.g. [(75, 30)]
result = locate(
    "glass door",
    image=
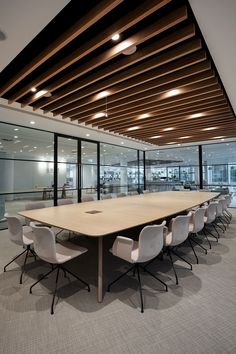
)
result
[(89, 186)]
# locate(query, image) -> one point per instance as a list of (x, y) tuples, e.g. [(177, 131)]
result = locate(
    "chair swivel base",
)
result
[(135, 268), (57, 268)]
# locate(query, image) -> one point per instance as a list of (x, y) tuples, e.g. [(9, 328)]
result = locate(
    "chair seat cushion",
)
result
[(66, 251)]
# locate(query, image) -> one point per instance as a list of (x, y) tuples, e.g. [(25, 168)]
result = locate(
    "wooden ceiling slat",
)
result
[(150, 50), (207, 85), (145, 34), (140, 79), (158, 86), (172, 121), (157, 129), (141, 68), (197, 99), (132, 18), (79, 27), (130, 120)]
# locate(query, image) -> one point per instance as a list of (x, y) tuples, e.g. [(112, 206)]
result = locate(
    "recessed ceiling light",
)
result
[(48, 94), (69, 138), (15, 136), (87, 134), (0, 143), (185, 137), (100, 115), (40, 93), (145, 115), (32, 122), (133, 128), (210, 128), (179, 144), (115, 37), (102, 94), (167, 129), (172, 142), (33, 89), (122, 143), (222, 139), (196, 115), (16, 129), (130, 50), (171, 93), (218, 137), (35, 147), (155, 137), (21, 150)]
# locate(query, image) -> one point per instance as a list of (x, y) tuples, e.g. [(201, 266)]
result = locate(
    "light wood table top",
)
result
[(118, 214)]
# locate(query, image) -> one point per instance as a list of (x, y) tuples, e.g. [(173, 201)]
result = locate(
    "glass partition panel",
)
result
[(175, 168), (89, 169), (219, 168), (67, 169), (119, 169), (25, 143)]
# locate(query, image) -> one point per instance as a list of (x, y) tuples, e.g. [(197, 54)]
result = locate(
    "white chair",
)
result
[(121, 195), (195, 226), (225, 211), (87, 198), (148, 246), (177, 233), (22, 236), (220, 215), (54, 253), (228, 198), (106, 196), (65, 201), (209, 220), (32, 206)]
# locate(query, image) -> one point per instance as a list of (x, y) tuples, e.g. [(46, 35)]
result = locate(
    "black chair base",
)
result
[(170, 251), (136, 268), (27, 250), (57, 268)]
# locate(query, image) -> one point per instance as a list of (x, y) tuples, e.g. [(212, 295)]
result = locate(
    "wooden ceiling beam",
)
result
[(154, 115), (174, 120), (131, 19), (143, 35), (153, 91), (201, 99), (144, 53), (140, 70), (158, 128), (94, 15), (139, 79), (208, 85)]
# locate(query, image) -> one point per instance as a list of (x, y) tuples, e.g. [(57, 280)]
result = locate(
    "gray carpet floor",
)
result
[(197, 316)]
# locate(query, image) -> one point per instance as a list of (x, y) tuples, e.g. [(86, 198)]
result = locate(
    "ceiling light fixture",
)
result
[(185, 137), (40, 93), (33, 89), (15, 136), (196, 115), (218, 137), (133, 128), (172, 142), (115, 37), (99, 115), (155, 137), (32, 122), (16, 129), (168, 129), (102, 94), (143, 116), (129, 51), (172, 93), (210, 128), (87, 134)]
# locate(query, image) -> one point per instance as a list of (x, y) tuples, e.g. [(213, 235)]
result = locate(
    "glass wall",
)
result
[(67, 169), (172, 169), (219, 168), (119, 171), (26, 168), (89, 169)]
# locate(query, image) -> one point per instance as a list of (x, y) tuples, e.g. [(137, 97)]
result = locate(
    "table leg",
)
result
[(100, 270)]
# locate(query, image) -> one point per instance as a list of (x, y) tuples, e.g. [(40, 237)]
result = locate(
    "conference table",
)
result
[(102, 218)]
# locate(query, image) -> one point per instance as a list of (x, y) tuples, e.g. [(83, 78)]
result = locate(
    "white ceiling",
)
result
[(20, 21), (217, 21)]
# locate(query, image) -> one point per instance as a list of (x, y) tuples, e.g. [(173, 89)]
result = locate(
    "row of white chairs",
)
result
[(41, 241)]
